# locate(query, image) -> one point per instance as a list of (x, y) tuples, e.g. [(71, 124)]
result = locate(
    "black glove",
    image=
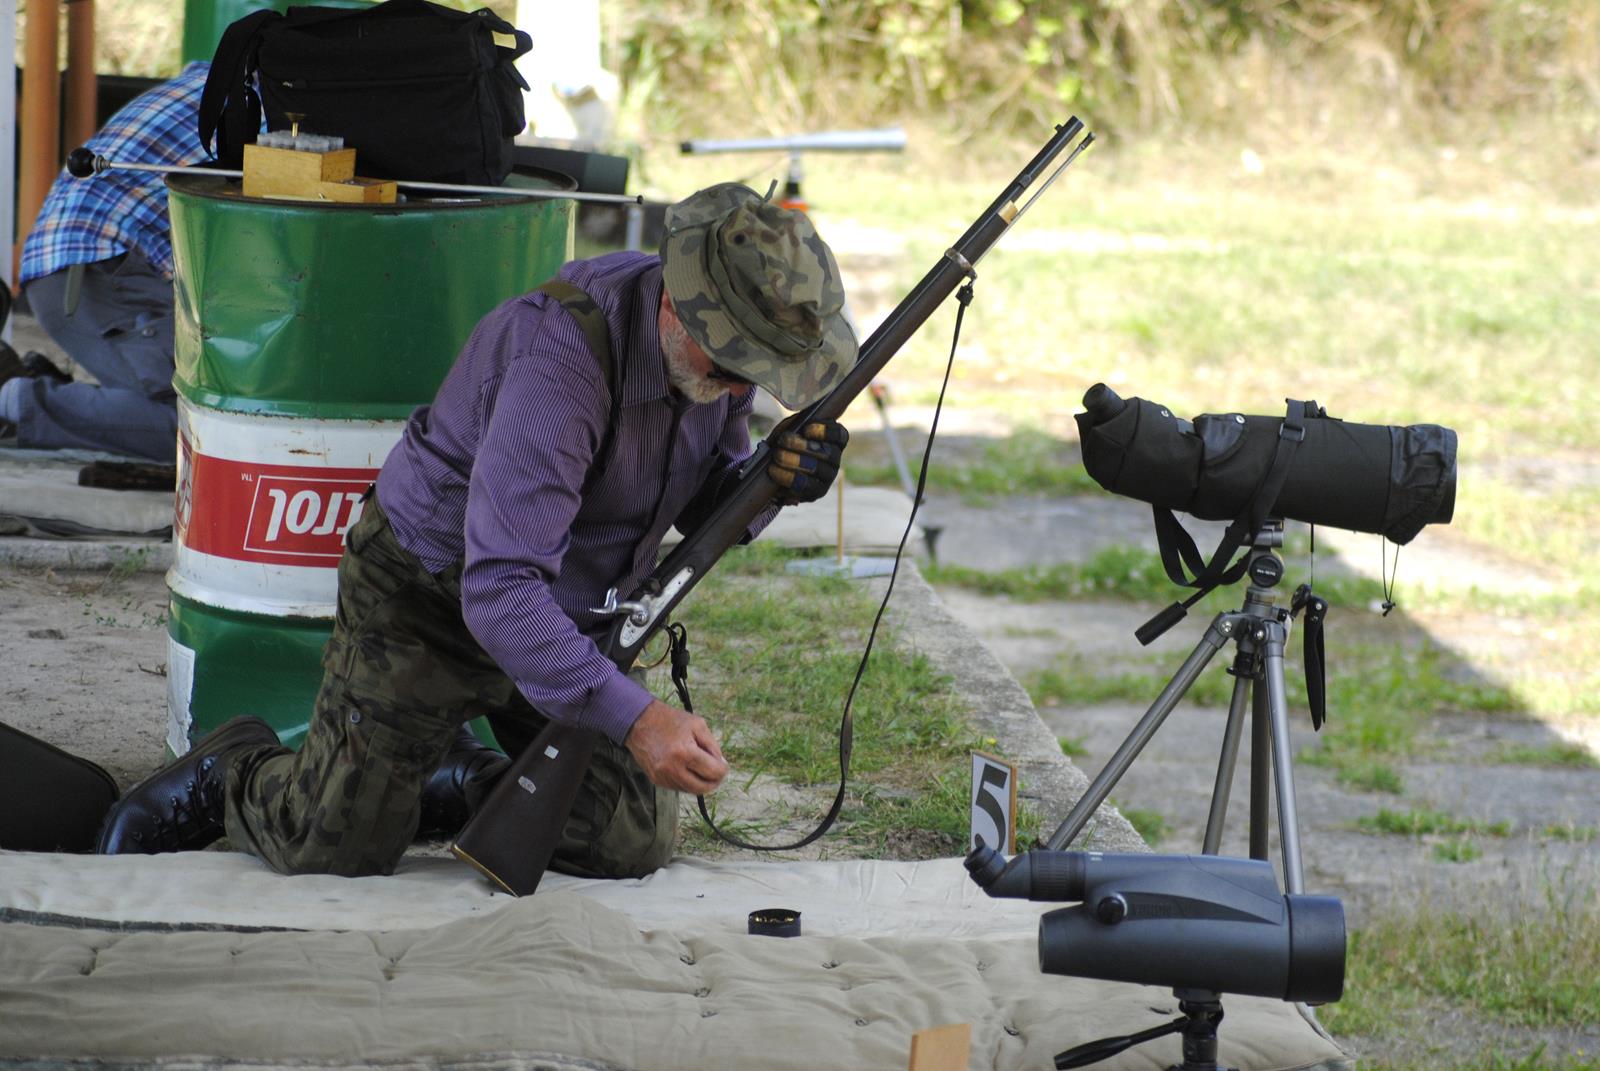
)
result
[(806, 461)]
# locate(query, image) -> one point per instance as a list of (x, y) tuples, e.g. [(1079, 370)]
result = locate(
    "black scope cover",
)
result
[(1387, 479)]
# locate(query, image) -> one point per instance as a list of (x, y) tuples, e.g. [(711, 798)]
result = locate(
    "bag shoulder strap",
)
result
[(524, 41), (303, 16), (233, 119), (597, 334)]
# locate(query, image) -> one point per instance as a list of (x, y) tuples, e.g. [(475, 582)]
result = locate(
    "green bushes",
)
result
[(994, 65)]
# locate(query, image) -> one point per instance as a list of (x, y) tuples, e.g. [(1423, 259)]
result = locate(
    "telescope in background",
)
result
[(892, 139)]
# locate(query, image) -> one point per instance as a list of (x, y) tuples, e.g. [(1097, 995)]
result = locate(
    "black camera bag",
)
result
[(420, 91), (50, 801)]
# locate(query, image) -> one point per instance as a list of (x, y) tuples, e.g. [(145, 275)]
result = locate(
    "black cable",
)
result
[(1389, 577)]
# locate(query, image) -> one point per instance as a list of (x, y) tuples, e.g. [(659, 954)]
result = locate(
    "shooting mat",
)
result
[(40, 497), (209, 959)]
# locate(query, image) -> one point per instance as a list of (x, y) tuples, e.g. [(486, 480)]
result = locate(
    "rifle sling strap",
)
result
[(597, 334)]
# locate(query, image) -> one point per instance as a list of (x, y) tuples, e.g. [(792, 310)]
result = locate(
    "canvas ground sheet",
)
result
[(208, 959)]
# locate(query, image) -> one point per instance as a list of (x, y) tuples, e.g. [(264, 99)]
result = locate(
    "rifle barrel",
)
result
[(513, 834), (699, 550)]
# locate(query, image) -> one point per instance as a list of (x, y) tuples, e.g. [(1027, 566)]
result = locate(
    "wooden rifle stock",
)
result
[(516, 830)]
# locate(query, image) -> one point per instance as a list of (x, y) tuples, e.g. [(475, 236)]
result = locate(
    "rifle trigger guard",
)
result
[(960, 261)]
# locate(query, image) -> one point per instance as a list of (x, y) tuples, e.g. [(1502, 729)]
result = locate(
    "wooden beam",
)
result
[(8, 150), (41, 115), (80, 105)]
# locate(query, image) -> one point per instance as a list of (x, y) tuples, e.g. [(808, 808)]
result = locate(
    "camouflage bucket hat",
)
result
[(759, 291)]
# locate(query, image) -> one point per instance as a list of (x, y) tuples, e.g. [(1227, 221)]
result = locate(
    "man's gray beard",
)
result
[(681, 374)]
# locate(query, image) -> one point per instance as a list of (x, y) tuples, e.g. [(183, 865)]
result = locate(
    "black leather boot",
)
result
[(36, 365), (179, 807), (470, 768)]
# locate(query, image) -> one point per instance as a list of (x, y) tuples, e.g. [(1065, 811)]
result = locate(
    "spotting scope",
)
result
[(1201, 922)]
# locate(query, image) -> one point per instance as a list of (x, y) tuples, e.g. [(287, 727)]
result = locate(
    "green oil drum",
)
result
[(306, 334)]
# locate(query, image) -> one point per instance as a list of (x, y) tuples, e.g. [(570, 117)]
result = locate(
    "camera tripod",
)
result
[(1259, 630)]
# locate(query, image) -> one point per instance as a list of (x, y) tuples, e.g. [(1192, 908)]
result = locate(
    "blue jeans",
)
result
[(121, 332)]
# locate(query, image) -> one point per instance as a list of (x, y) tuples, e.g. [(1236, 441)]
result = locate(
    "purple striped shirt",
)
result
[(494, 469)]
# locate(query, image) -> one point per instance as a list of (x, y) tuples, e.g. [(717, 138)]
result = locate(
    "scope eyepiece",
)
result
[(1103, 403), (985, 864)]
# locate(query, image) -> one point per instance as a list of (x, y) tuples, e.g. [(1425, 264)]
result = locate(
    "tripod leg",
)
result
[(1101, 786), (1225, 766), (1283, 763), (1260, 770)]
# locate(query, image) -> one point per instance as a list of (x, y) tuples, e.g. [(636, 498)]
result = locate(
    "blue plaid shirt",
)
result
[(85, 220)]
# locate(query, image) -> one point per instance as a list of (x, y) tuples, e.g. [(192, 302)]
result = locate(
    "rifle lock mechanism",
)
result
[(638, 612), (642, 612)]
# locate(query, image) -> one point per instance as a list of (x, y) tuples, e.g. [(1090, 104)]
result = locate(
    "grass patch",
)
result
[(1151, 825), (1382, 684), (759, 651), (1026, 462), (1573, 755), (1072, 746), (1569, 831), (1457, 850), (1366, 774), (1537, 525), (1426, 823), (1492, 1060), (1503, 966), (1126, 572), (1378, 696), (1075, 681), (1115, 572)]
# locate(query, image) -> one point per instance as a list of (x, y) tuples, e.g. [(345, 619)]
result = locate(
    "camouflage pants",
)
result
[(401, 674)]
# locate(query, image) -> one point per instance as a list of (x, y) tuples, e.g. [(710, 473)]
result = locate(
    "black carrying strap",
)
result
[(1178, 548), (597, 333), (1314, 654), (229, 105)]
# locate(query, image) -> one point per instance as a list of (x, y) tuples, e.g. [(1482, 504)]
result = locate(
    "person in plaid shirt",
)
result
[(112, 232)]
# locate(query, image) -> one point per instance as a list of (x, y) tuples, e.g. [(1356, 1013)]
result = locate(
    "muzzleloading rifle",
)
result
[(514, 833)]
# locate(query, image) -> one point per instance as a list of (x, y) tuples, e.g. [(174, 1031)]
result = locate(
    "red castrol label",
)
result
[(264, 504)]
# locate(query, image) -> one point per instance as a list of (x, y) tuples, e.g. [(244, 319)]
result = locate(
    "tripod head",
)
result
[(1202, 1011), (1264, 566)]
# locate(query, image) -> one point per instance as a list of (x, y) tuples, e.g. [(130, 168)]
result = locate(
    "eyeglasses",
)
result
[(722, 375)]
